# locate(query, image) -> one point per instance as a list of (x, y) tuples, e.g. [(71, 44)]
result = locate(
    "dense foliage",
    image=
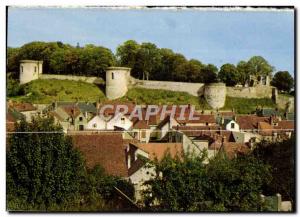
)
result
[(187, 184), (42, 168), (256, 65), (146, 60), (13, 87), (281, 157), (283, 81), (44, 172), (59, 58)]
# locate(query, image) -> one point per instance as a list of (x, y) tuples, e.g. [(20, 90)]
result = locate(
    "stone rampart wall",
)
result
[(195, 89), (259, 91), (91, 80)]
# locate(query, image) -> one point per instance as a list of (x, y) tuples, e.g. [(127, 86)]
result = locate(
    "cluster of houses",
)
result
[(123, 145)]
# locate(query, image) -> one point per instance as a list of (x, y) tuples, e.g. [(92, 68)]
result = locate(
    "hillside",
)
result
[(47, 91)]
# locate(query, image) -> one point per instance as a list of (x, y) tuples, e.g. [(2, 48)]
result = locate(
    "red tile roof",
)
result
[(23, 107), (158, 150), (265, 129), (232, 149), (72, 111), (285, 124), (250, 122), (10, 118), (140, 124), (201, 119), (104, 149)]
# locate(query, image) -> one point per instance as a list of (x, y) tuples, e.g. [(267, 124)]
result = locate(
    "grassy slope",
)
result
[(164, 97), (245, 106), (46, 91)]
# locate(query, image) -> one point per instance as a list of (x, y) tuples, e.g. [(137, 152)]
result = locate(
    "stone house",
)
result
[(27, 109)]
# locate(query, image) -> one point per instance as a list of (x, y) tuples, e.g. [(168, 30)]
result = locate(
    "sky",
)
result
[(211, 36)]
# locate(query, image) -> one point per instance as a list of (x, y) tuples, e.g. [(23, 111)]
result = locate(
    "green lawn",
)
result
[(47, 91)]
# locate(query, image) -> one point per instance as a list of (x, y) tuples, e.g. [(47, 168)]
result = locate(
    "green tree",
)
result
[(283, 81), (188, 184), (42, 167), (229, 74), (127, 53), (209, 74), (148, 60), (178, 184), (281, 157), (13, 61), (236, 185), (257, 65), (243, 69), (13, 87)]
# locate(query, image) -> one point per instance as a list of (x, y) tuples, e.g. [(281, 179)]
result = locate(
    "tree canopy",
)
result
[(45, 172), (146, 60), (188, 184), (42, 168), (283, 81), (229, 74)]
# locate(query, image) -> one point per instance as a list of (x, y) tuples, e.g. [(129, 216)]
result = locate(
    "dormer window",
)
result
[(95, 125), (80, 118), (123, 120)]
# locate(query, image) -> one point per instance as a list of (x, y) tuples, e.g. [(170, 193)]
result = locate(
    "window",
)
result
[(21, 68), (95, 125), (206, 123), (232, 125), (123, 120), (112, 76), (80, 118), (35, 69)]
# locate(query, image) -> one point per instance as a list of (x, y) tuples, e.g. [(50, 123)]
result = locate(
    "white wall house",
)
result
[(232, 126), (120, 121), (96, 123)]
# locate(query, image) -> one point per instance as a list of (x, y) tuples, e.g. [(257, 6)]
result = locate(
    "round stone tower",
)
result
[(30, 70), (215, 94), (117, 79)]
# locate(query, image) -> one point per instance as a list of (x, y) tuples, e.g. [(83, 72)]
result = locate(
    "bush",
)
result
[(14, 88)]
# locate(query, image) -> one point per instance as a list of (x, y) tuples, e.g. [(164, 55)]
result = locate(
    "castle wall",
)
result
[(195, 89), (259, 91), (91, 80)]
